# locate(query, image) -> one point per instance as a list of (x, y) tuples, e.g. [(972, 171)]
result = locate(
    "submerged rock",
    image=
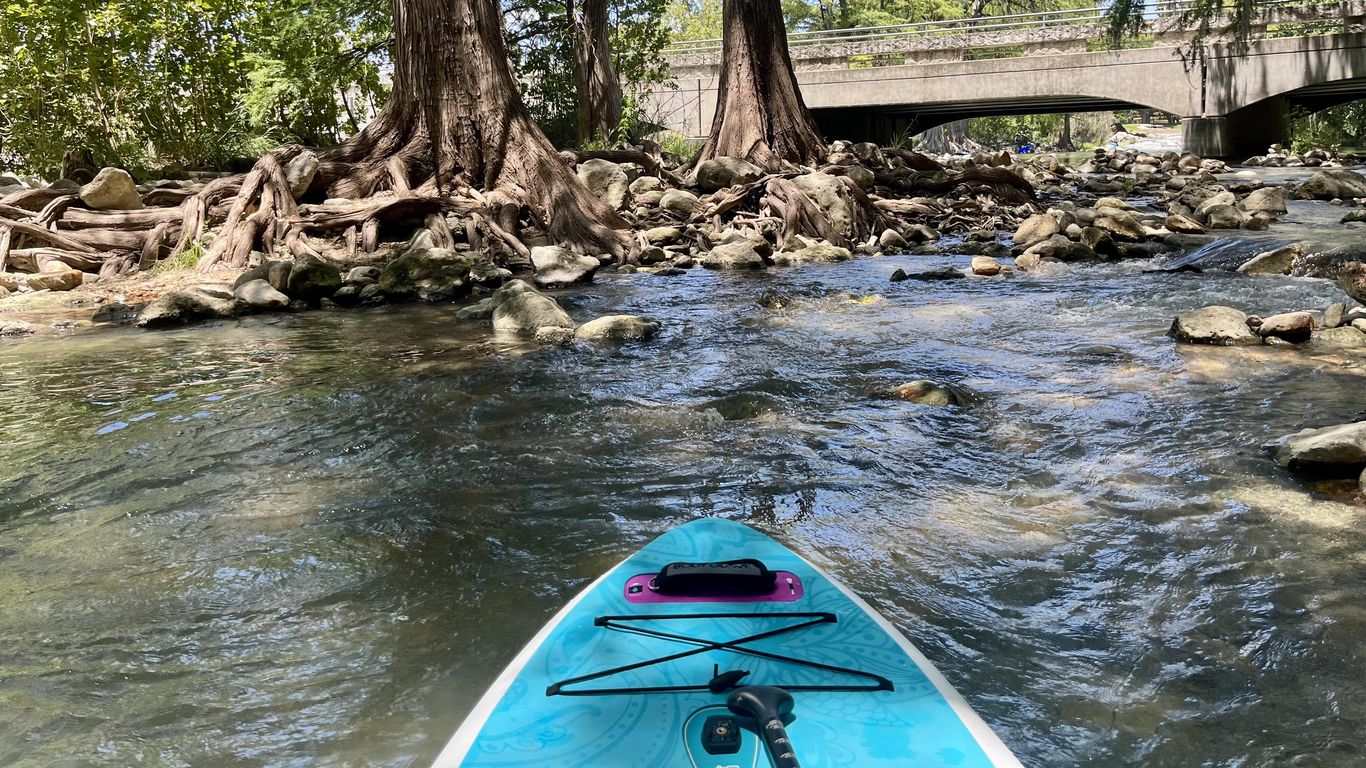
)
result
[(923, 392), (818, 252), (618, 328), (1223, 326)]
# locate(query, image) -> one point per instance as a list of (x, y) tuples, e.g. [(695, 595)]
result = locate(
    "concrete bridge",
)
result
[(1234, 99)]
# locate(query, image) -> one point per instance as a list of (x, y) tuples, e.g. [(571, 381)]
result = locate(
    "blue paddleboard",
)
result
[(660, 663)]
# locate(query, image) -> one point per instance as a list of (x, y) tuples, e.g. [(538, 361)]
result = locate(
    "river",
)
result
[(313, 540)]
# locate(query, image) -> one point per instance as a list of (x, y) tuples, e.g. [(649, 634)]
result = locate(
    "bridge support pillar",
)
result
[(1241, 134)]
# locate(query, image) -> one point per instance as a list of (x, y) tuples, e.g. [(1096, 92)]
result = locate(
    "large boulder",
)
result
[(63, 280), (1035, 229), (520, 309), (112, 189), (1333, 183), (1265, 200), (618, 328), (1224, 326), (1121, 224), (187, 306), (606, 180), (1330, 448), (1225, 217), (737, 255), (557, 267), (428, 274), (722, 172), (1345, 337), (1352, 278), (1183, 224), (312, 279), (257, 294), (833, 196)]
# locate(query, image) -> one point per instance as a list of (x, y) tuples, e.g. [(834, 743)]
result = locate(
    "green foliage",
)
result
[(1340, 126), (142, 83), (541, 43), (187, 259)]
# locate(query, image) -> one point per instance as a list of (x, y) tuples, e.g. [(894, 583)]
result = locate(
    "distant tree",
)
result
[(760, 114)]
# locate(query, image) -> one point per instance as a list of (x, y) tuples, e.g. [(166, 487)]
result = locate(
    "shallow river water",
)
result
[(314, 540)]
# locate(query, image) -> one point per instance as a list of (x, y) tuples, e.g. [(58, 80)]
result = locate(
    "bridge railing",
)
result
[(1160, 13)]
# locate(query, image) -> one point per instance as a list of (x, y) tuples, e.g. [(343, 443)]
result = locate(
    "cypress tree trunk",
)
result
[(760, 115), (454, 122), (595, 79)]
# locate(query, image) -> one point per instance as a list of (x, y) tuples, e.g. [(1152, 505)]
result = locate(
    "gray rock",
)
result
[(480, 310), (1332, 316), (520, 309), (818, 252), (943, 273), (1343, 337), (258, 294), (679, 202), (63, 280), (723, 172), (891, 240), (737, 255), (557, 267), (921, 233), (489, 275), (1294, 327), (300, 172), (362, 276), (1060, 248), (862, 176), (1122, 224), (618, 328), (922, 392), (553, 334), (1265, 200), (1333, 183), (607, 181), (663, 235), (652, 254), (1343, 445), (1035, 229), (646, 184), (428, 274), (15, 328), (185, 307), (112, 189), (1224, 326), (985, 266), (1028, 261), (117, 313), (1184, 224), (1277, 262), (833, 197), (311, 279), (1224, 217), (1352, 278)]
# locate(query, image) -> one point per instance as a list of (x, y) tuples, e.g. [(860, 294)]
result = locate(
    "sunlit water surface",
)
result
[(315, 540)]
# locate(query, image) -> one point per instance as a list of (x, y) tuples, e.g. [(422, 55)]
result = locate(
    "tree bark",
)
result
[(760, 115), (1065, 141), (595, 79), (454, 124)]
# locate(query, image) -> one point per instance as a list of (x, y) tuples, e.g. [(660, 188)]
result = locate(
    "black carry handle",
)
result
[(767, 706), (728, 577)]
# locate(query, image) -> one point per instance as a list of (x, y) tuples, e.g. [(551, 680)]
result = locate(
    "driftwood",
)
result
[(33, 259), (148, 218)]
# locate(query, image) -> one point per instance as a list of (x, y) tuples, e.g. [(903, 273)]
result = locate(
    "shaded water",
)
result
[(314, 540)]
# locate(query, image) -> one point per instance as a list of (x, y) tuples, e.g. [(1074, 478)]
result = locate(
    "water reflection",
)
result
[(314, 540)]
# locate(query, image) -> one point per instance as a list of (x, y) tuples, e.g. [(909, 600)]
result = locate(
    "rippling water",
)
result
[(314, 540)]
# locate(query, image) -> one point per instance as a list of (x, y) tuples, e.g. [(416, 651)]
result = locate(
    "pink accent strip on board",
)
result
[(789, 589)]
